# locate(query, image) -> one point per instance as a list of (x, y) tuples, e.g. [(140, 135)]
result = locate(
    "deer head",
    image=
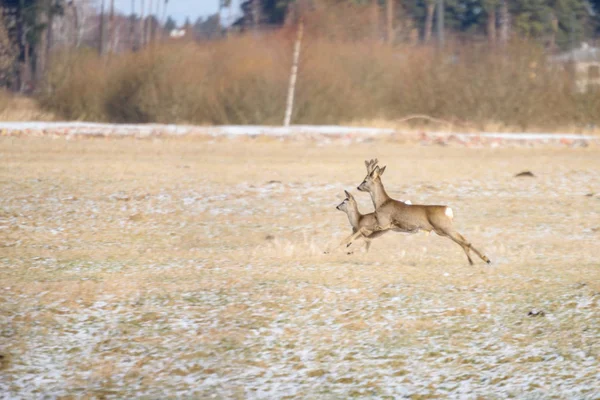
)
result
[(348, 201), (372, 178)]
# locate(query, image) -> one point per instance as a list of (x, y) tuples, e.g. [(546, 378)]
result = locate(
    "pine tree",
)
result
[(170, 24), (560, 22), (271, 12)]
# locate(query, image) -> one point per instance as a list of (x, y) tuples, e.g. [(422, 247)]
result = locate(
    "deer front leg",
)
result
[(366, 232), (348, 241)]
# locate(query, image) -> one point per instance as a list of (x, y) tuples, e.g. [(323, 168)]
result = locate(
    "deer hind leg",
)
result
[(460, 240), (457, 238), (481, 255), (464, 243)]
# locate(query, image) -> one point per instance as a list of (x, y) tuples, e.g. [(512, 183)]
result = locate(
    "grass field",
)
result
[(194, 268)]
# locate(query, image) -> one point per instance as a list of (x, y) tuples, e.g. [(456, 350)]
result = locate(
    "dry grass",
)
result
[(244, 80), (426, 123), (189, 268), (19, 108)]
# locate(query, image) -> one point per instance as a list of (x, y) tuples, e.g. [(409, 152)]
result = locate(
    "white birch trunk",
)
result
[(293, 76)]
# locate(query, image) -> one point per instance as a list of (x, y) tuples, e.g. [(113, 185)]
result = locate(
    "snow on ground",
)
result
[(126, 274), (318, 131)]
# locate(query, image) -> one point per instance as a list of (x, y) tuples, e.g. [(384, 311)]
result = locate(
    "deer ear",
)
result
[(367, 163), (348, 195), (382, 170)]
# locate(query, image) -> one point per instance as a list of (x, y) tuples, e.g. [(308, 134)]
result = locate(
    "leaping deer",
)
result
[(358, 220), (402, 217)]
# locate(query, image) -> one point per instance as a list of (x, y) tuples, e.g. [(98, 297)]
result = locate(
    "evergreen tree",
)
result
[(207, 29), (170, 24), (272, 12), (560, 22), (30, 31)]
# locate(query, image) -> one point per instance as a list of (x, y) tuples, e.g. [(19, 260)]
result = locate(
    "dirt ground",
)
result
[(194, 268)]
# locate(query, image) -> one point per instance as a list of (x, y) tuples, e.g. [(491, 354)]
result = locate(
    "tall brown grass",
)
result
[(4, 100), (14, 107), (243, 80)]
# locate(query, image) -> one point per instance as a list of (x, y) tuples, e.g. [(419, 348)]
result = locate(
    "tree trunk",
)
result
[(111, 27), (132, 27), (142, 24), (77, 26), (41, 48), (26, 71), (554, 22), (429, 21), (49, 37), (491, 26), (375, 17), (101, 29), (440, 23), (40, 57), (230, 18), (149, 24), (256, 14), (157, 30), (293, 76), (504, 22), (390, 21)]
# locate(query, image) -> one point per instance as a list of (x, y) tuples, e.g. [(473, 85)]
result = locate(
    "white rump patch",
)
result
[(407, 202), (449, 212)]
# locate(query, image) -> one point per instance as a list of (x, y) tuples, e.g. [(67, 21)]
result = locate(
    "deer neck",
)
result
[(379, 195), (354, 216)]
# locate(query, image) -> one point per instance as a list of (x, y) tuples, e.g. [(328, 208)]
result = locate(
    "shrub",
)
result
[(243, 80)]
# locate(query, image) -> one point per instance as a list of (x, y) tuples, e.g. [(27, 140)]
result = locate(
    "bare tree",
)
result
[(65, 27), (101, 29), (293, 75), (504, 22), (440, 23), (256, 13), (149, 23), (142, 24), (111, 27), (375, 18), (8, 55), (390, 21), (132, 26), (490, 7), (491, 26), (429, 20), (84, 20)]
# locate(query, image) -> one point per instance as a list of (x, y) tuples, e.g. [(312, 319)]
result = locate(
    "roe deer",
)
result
[(358, 220), (402, 217)]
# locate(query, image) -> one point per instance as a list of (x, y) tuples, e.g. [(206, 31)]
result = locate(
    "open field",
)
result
[(194, 268)]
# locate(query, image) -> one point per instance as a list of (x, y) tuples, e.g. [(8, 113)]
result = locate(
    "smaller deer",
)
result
[(358, 220)]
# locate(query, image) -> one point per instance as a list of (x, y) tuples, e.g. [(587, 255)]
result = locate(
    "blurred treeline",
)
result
[(482, 63)]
